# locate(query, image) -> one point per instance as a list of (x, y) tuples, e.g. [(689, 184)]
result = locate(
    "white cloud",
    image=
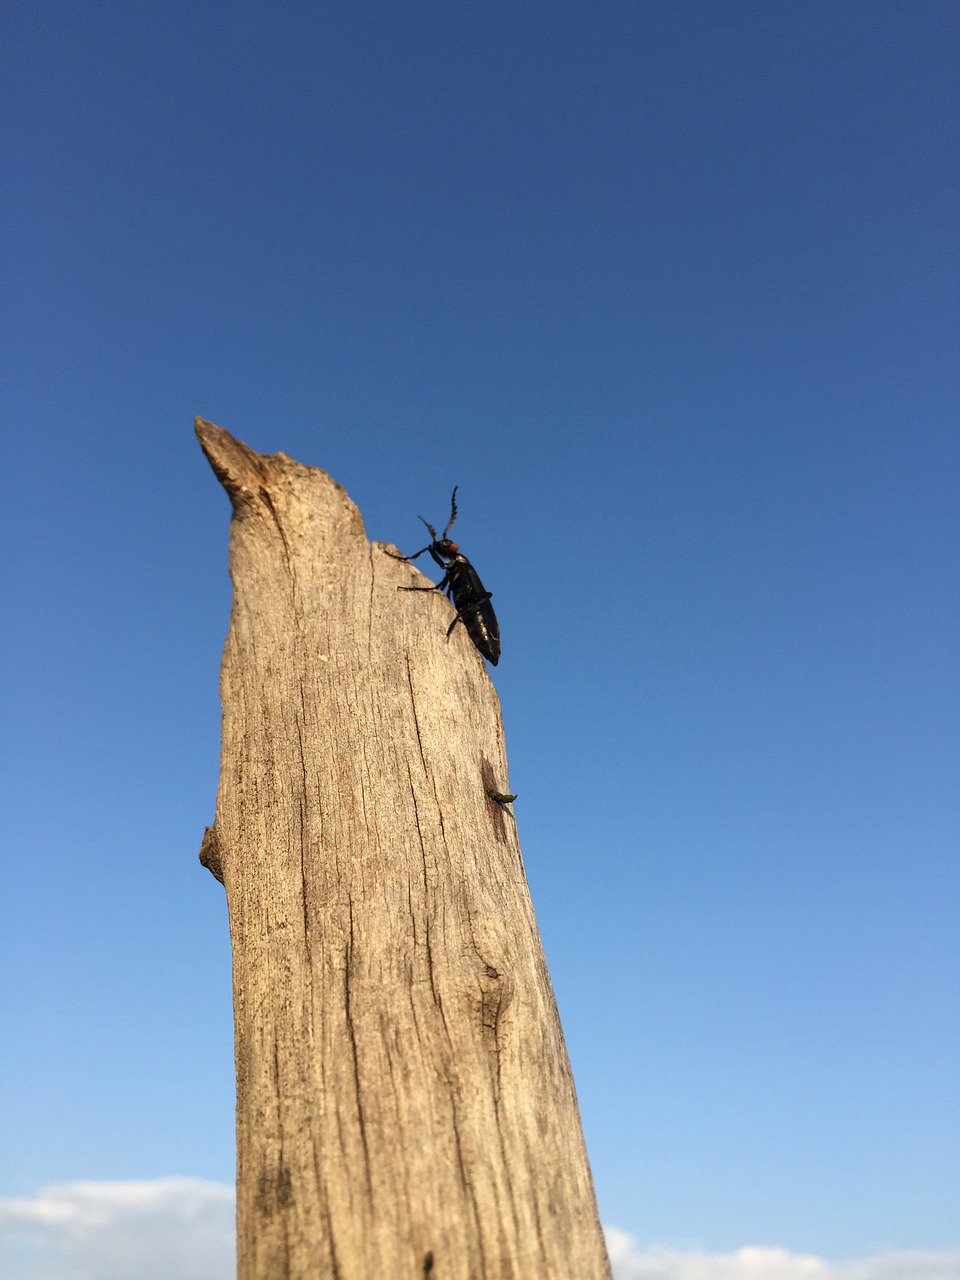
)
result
[(183, 1229), (167, 1229), (757, 1262)]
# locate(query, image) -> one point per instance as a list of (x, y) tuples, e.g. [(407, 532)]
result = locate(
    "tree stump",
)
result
[(405, 1105)]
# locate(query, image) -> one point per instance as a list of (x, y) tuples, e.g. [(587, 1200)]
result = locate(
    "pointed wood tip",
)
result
[(238, 467), (249, 477)]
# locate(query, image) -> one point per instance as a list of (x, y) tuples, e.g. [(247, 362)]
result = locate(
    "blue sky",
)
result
[(670, 290)]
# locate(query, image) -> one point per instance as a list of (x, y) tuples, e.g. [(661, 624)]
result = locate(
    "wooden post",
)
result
[(405, 1106)]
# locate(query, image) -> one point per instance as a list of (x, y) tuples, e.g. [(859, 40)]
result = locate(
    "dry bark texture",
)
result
[(404, 1101)]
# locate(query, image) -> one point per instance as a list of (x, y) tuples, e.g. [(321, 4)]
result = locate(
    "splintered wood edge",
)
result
[(239, 468), (247, 475)]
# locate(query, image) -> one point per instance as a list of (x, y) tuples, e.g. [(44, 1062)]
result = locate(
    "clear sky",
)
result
[(670, 290)]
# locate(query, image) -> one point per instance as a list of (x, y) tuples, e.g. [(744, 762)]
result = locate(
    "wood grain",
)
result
[(404, 1100)]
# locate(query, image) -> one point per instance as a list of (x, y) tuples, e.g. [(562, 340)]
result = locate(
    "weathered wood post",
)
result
[(404, 1101)]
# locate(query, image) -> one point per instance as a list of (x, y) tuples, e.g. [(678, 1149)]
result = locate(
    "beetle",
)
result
[(462, 584), (500, 796)]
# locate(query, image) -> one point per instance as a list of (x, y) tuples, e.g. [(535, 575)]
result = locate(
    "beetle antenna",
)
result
[(453, 510), (430, 529)]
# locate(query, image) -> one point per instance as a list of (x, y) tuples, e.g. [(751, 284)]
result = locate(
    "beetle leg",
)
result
[(408, 558), (438, 586), (466, 611)]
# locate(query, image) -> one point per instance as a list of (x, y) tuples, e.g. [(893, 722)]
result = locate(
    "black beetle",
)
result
[(463, 586)]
